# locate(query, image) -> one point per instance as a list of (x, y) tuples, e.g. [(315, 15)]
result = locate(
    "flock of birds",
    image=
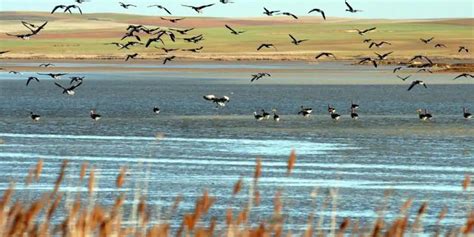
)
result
[(157, 34)]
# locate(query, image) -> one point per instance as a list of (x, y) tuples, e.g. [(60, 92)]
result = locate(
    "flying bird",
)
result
[(417, 82), (268, 12), (326, 54), (34, 28), (69, 90), (14, 72), (350, 8), (318, 10), (362, 32), (420, 57), (53, 75), (168, 59), (378, 45), (462, 48), (198, 9), (131, 56), (194, 50), (425, 70), (367, 40), (466, 75), (220, 101), (440, 46), (75, 79), (126, 6), (68, 8), (225, 1), (30, 79), (22, 36), (295, 41), (184, 31), (397, 69), (426, 41), (289, 14), (259, 75), (265, 45), (172, 20), (46, 65), (368, 59), (161, 7), (232, 31), (383, 56), (404, 78)]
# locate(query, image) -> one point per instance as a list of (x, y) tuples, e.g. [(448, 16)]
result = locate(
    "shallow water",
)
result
[(200, 146)]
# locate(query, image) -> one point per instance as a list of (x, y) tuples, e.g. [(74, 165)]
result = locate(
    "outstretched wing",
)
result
[(411, 86), (349, 6)]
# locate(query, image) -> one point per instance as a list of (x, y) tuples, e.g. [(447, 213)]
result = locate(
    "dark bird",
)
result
[(22, 36), (220, 101), (466, 75), (161, 7), (362, 32), (350, 9), (426, 40), (440, 46), (266, 46), (462, 48), (30, 79), (354, 114), (53, 75), (335, 116), (331, 109), (168, 59), (417, 82), (94, 115), (289, 14), (14, 72), (195, 50), (265, 114), (131, 34), (305, 111), (421, 57), (198, 9), (58, 7), (68, 8), (397, 69), (167, 50), (466, 115), (258, 117), (46, 65), (256, 77), (425, 70), (326, 54), (126, 6), (172, 20), (367, 40), (69, 90), (194, 39), (35, 117), (424, 115), (75, 79), (295, 41), (383, 56), (276, 117), (155, 39), (404, 78), (183, 32), (131, 56), (156, 110), (232, 31), (130, 43), (81, 1), (318, 10), (368, 59), (268, 12), (354, 106), (120, 45), (34, 28), (378, 45), (4, 52)]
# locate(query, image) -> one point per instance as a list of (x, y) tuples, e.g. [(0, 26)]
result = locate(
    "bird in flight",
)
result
[(268, 12), (131, 56), (383, 56), (66, 8), (378, 45), (404, 78), (56, 76), (4, 52), (362, 32), (172, 20), (161, 7), (440, 46), (259, 75), (69, 90), (417, 82), (34, 28), (225, 1), (126, 6), (194, 50), (22, 36), (368, 59), (426, 41), (397, 69), (183, 32), (30, 79), (46, 65), (14, 72), (75, 79), (466, 75), (295, 41), (234, 32), (289, 14), (350, 8), (198, 9), (462, 48), (318, 10), (156, 39), (220, 101), (167, 50), (168, 59), (421, 57), (265, 45), (425, 70), (325, 54)]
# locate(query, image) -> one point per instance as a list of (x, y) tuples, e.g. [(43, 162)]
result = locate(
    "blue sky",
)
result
[(393, 9)]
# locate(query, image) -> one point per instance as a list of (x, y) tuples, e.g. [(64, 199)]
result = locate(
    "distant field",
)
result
[(76, 36)]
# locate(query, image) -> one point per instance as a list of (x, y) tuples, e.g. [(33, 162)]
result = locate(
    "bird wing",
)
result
[(75, 86), (57, 7), (260, 47), (58, 85), (166, 10), (78, 8), (349, 6), (372, 44), (324, 15), (412, 85), (204, 6), (375, 63), (293, 38), (230, 28), (425, 85)]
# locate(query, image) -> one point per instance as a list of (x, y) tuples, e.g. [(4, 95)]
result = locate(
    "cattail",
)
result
[(277, 205), (422, 208), (467, 182), (237, 187), (53, 207), (121, 177), (291, 162), (29, 177), (258, 170), (60, 178), (469, 227), (377, 228), (344, 224), (38, 169), (91, 183), (442, 213), (406, 205), (256, 198), (229, 216), (176, 203), (82, 174), (243, 216)]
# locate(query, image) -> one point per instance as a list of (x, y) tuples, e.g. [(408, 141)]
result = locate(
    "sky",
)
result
[(390, 9)]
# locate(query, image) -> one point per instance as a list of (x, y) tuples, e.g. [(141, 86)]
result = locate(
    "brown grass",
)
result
[(25, 219)]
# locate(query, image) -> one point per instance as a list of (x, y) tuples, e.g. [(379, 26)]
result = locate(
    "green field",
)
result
[(76, 36)]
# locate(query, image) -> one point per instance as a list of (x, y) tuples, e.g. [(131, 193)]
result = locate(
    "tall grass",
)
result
[(86, 217)]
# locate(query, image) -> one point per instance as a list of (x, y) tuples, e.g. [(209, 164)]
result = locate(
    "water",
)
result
[(204, 147)]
